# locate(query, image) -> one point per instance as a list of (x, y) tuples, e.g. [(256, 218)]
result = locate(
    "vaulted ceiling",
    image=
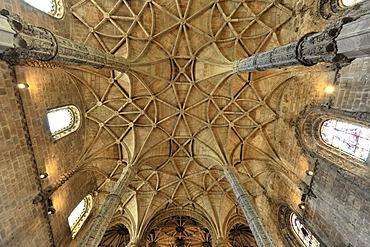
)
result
[(179, 113)]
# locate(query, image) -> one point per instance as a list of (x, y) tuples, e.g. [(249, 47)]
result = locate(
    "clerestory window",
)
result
[(80, 214), (302, 233), (63, 120), (54, 8), (348, 3), (347, 137)]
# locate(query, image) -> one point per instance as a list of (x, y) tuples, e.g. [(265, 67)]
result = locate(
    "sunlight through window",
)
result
[(63, 121), (348, 3), (306, 237), (54, 8), (43, 5), (80, 214), (349, 138), (76, 213), (60, 120)]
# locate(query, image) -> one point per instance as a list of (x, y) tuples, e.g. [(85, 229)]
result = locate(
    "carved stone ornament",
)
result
[(36, 43), (309, 50)]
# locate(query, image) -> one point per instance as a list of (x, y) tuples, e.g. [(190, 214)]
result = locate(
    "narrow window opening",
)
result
[(54, 8), (60, 120), (43, 5), (63, 121), (79, 215), (348, 3), (305, 236)]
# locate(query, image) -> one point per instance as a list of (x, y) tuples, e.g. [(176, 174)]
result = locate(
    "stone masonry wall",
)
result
[(22, 223), (338, 216)]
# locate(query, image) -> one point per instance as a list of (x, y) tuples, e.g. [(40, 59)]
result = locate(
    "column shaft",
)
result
[(331, 46), (31, 43), (245, 201), (99, 225), (355, 35)]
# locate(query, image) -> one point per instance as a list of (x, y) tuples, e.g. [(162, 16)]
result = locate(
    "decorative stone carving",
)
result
[(246, 203), (309, 50), (99, 225), (37, 43), (46, 193), (308, 124)]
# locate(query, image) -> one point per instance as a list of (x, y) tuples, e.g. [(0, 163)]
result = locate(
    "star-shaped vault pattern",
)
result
[(179, 113)]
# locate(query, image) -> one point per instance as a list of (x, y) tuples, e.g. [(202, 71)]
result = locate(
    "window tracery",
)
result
[(63, 120), (54, 8), (347, 137), (294, 232), (80, 214), (343, 142), (300, 230)]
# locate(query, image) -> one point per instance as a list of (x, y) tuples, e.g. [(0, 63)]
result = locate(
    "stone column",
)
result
[(343, 40), (246, 203), (100, 223), (30, 43), (355, 35)]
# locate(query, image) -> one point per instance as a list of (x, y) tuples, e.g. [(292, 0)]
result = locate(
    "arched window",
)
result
[(63, 120), (80, 214), (348, 3), (54, 8), (349, 138), (304, 235), (295, 233)]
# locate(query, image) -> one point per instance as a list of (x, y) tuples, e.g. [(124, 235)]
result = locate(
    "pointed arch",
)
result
[(316, 129), (347, 137), (63, 120), (305, 236), (54, 8), (294, 230)]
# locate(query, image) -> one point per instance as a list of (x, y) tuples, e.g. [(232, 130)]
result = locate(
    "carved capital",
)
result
[(30, 42)]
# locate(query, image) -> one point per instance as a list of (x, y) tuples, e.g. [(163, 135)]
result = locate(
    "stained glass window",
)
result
[(348, 3), (80, 214), (304, 235), (52, 7), (349, 138), (63, 120)]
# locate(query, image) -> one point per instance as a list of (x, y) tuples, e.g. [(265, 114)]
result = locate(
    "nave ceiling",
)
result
[(179, 114)]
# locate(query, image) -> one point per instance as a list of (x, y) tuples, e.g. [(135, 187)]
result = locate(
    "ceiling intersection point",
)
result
[(179, 107)]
